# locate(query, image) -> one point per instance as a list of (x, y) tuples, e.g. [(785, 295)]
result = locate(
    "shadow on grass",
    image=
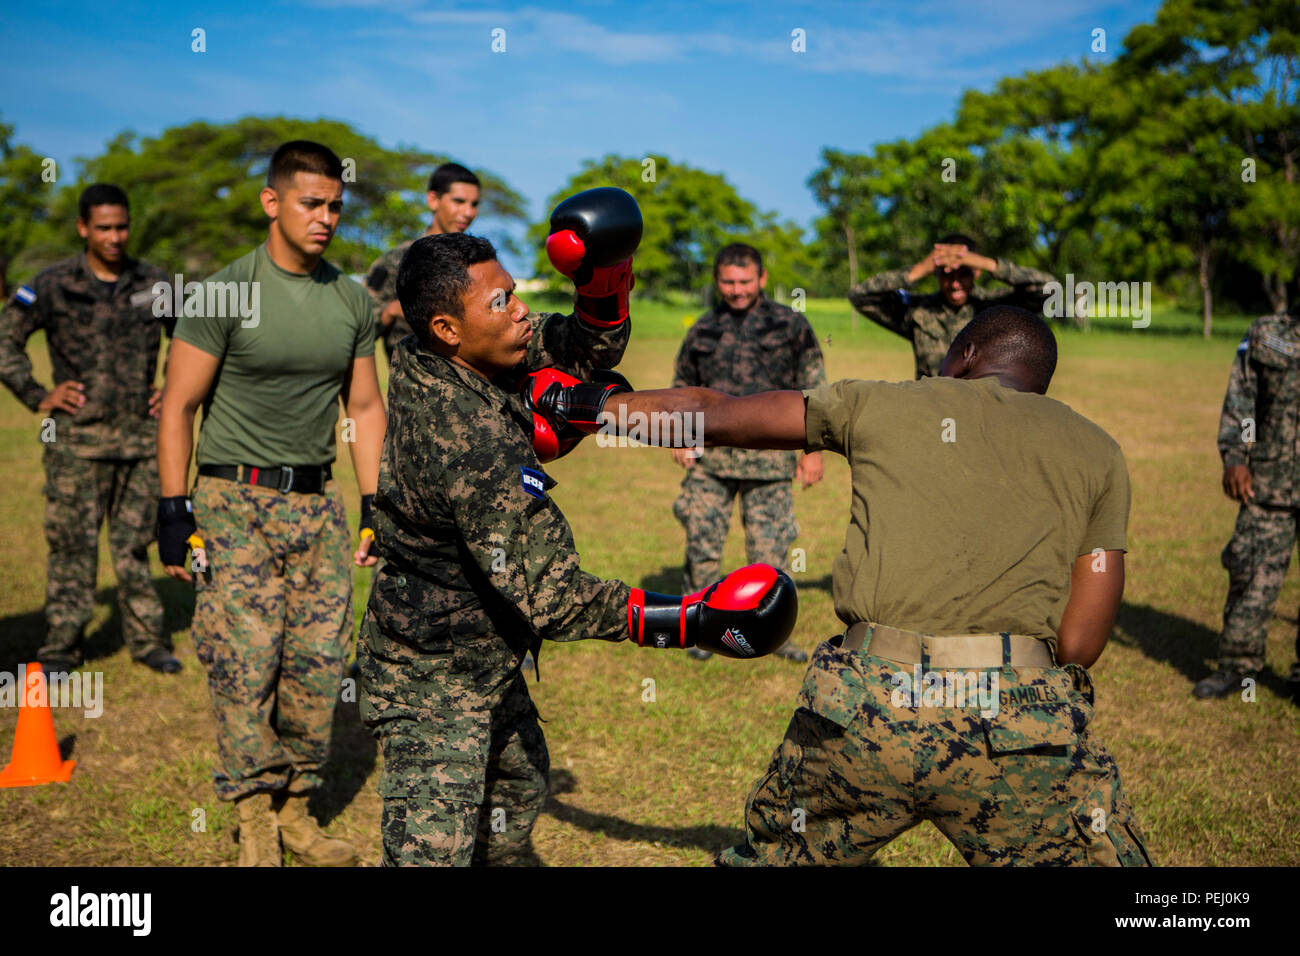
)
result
[(23, 634), (1183, 644), (708, 838), (351, 760)]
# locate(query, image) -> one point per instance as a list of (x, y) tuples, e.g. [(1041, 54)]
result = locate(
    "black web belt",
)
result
[(301, 479)]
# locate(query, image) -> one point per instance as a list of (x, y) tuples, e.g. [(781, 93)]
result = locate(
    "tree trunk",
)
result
[(1207, 303), (853, 270), (853, 254)]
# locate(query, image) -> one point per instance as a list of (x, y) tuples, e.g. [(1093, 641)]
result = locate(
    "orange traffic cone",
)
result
[(35, 757)]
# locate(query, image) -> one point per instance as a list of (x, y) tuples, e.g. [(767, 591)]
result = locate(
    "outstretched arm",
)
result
[(762, 420)]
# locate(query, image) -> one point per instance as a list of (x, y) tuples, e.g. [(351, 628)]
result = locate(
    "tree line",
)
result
[(1173, 160)]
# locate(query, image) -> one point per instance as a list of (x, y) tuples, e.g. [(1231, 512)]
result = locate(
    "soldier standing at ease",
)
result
[(931, 321), (273, 621), (1258, 434), (103, 335), (453, 198), (746, 343)]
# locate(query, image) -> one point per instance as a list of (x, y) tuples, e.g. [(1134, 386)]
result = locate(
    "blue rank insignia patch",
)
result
[(534, 482), (25, 295)]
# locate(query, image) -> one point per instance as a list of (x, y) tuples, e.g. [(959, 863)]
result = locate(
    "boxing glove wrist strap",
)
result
[(661, 620)]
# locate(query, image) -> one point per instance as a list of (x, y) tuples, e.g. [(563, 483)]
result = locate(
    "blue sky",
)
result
[(715, 85)]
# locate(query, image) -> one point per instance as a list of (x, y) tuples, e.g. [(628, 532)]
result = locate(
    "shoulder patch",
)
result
[(534, 481), (1277, 344), (905, 296), (1244, 344), (25, 296)]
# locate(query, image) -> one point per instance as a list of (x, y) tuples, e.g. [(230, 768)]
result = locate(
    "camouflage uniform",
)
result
[(856, 770), (273, 649), (770, 347), (928, 321), (479, 566), (99, 463), (381, 283), (1260, 427)]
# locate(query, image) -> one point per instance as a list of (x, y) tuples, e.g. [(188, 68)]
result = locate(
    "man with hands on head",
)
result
[(985, 555), (931, 321), (479, 561), (273, 615)]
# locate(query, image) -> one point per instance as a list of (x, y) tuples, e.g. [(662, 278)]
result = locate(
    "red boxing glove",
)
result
[(749, 613), (566, 409)]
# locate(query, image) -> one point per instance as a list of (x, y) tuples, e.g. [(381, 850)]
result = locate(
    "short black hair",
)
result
[(434, 275), (100, 194), (958, 239), (737, 254), (302, 156), (1014, 336), (448, 173)]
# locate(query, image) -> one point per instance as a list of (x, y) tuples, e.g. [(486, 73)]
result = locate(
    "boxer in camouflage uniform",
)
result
[(479, 564), (103, 335), (972, 707), (273, 613), (930, 321), (453, 198), (1259, 432), (746, 343)]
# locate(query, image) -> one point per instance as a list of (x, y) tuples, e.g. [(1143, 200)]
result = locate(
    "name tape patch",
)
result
[(534, 482)]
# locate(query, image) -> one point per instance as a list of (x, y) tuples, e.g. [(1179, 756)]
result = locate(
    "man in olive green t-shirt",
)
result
[(981, 574), (268, 346)]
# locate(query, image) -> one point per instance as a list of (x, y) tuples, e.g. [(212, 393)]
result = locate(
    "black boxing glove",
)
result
[(592, 238), (175, 525), (749, 613), (566, 409)]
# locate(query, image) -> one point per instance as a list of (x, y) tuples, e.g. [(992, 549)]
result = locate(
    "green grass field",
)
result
[(664, 782)]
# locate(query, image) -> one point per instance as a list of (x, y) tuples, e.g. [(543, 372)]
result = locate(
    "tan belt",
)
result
[(948, 652)]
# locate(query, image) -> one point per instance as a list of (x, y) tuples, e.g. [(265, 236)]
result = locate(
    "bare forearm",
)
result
[(366, 449), (764, 420), (1096, 587), (175, 443)]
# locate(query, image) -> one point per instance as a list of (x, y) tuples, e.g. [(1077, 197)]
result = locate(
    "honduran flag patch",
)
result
[(25, 295), (534, 482)]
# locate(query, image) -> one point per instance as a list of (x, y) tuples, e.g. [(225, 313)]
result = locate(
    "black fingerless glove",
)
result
[(175, 525)]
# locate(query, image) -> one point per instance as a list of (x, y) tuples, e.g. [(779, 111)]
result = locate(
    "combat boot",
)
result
[(259, 836), (304, 838), (1219, 684)]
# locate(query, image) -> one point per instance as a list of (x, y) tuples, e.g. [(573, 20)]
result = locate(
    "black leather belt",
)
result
[(302, 479)]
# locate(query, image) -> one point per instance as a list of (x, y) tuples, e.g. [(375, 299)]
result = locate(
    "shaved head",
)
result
[(1007, 341)]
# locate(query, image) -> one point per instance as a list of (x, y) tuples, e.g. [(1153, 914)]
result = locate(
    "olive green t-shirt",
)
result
[(283, 365), (970, 503)]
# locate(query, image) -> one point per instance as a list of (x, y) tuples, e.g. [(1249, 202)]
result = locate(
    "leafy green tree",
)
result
[(23, 192), (194, 191)]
